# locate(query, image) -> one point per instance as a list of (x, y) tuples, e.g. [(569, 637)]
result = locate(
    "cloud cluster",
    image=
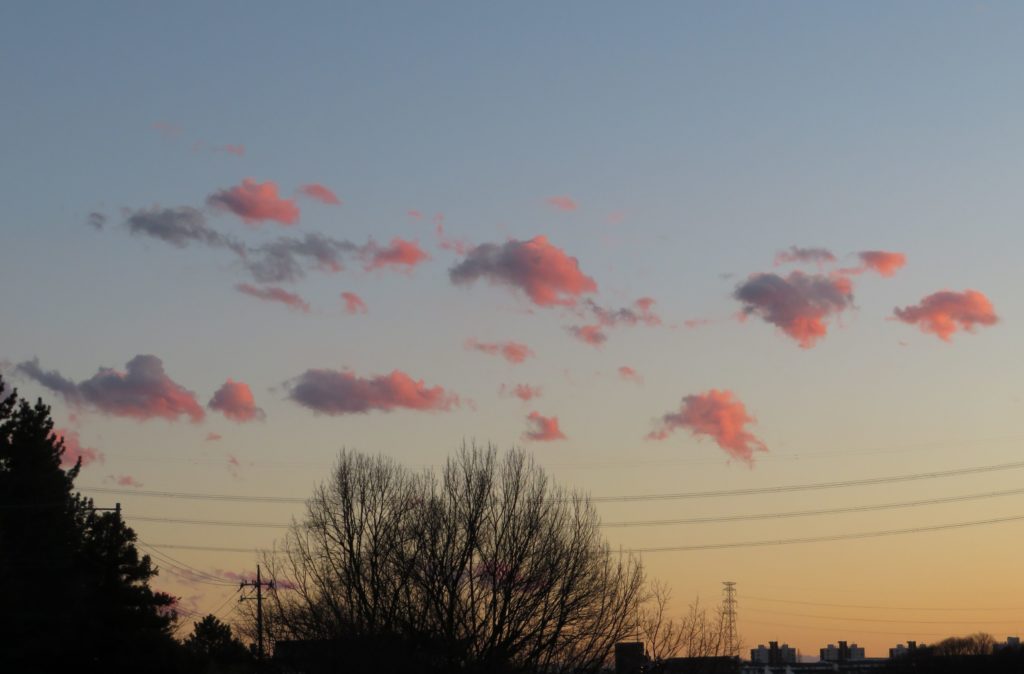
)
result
[(273, 294), (336, 392), (354, 304), (542, 429), (543, 271), (75, 451), (235, 401), (143, 391), (513, 352), (640, 313), (318, 192), (945, 312), (719, 416), (255, 203), (287, 258), (524, 392), (799, 304)]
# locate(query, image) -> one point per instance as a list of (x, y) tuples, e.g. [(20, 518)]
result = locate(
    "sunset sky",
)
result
[(665, 247)]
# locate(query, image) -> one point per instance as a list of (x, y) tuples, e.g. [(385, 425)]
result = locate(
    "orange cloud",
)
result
[(335, 393), (354, 304), (237, 150), (629, 374), (799, 304), (143, 391), (272, 294), (399, 253), (524, 392), (883, 262), (235, 401), (544, 429), (320, 193), (544, 272), (945, 312), (513, 352), (719, 416), (213, 437), (74, 451), (256, 202), (562, 203)]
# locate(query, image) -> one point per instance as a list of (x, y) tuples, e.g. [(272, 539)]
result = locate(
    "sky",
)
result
[(665, 248)]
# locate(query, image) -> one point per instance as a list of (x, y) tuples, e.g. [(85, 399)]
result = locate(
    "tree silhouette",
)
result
[(213, 648), (73, 589), (487, 567)]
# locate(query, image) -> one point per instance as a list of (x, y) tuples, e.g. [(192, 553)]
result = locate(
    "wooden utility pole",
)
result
[(259, 584)]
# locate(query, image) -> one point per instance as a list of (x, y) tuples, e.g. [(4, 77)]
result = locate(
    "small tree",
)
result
[(213, 648), (489, 567)]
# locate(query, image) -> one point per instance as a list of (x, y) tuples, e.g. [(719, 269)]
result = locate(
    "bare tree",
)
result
[(663, 635), (487, 567)]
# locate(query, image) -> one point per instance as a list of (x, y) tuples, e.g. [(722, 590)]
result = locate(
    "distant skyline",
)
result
[(683, 247)]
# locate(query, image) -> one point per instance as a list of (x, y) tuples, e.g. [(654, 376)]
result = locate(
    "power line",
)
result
[(194, 573), (722, 546), (857, 630), (832, 537), (621, 498), (808, 513), (223, 523), (886, 608)]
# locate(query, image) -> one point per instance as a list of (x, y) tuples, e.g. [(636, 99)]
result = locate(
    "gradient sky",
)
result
[(673, 150)]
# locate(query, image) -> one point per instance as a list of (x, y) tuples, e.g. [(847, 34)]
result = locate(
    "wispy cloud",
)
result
[(627, 373), (798, 255), (513, 352), (74, 450), (320, 193), (524, 392), (354, 304), (274, 294)]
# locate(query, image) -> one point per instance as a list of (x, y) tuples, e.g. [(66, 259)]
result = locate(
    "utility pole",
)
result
[(732, 646), (259, 584)]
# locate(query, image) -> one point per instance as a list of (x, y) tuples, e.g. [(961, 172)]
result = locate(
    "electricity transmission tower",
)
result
[(732, 641)]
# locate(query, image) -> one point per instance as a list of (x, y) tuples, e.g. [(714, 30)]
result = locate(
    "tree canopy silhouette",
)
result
[(74, 591), (487, 567)]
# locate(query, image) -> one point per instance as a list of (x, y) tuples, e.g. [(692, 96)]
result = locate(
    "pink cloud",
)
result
[(542, 429), (544, 272), (883, 262), (335, 393), (273, 294), (719, 416), (640, 313), (799, 304), (237, 150), (414, 214), (399, 253), (616, 217), (73, 449), (945, 312), (167, 129), (458, 246), (234, 466), (143, 391), (799, 255), (588, 334), (320, 193), (694, 323), (562, 203), (629, 374), (235, 401), (524, 392), (256, 202), (213, 437), (354, 304)]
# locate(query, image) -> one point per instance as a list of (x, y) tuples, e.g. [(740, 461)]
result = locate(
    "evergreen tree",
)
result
[(74, 591), (213, 648)]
